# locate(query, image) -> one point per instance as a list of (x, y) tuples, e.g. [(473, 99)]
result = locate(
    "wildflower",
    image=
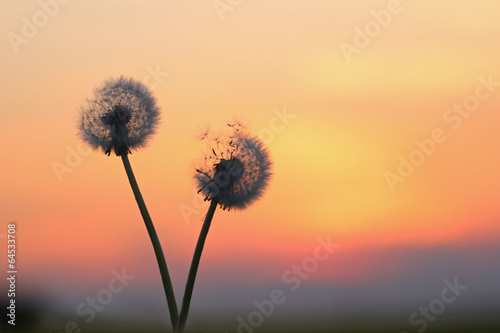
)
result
[(236, 171), (234, 174), (121, 116)]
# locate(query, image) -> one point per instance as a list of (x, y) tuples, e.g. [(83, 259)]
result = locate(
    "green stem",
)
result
[(167, 283), (194, 265)]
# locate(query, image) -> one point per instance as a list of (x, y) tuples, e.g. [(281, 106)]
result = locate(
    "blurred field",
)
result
[(354, 326), (33, 316)]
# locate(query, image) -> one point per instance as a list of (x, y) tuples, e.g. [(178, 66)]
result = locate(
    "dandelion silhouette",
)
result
[(233, 174), (121, 116), (236, 170)]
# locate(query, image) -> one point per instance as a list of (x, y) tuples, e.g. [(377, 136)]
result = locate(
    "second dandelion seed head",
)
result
[(236, 169)]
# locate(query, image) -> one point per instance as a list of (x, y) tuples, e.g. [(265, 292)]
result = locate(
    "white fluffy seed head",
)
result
[(235, 170), (121, 116)]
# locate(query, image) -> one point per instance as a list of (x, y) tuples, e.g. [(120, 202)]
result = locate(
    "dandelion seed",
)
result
[(236, 170), (120, 117)]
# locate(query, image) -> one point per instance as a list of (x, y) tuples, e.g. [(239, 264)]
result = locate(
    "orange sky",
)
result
[(351, 122)]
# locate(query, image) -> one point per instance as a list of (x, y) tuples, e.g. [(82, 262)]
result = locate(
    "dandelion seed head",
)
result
[(235, 170), (121, 116)]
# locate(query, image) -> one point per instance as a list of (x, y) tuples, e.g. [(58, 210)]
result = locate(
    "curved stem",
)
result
[(194, 265), (167, 283)]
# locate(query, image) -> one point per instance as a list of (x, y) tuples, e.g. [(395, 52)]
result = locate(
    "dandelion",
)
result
[(234, 174), (120, 117), (236, 170)]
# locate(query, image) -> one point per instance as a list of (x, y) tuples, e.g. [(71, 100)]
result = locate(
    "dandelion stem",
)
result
[(167, 283), (194, 265)]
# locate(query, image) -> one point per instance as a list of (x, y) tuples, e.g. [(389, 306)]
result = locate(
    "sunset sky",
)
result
[(389, 149)]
